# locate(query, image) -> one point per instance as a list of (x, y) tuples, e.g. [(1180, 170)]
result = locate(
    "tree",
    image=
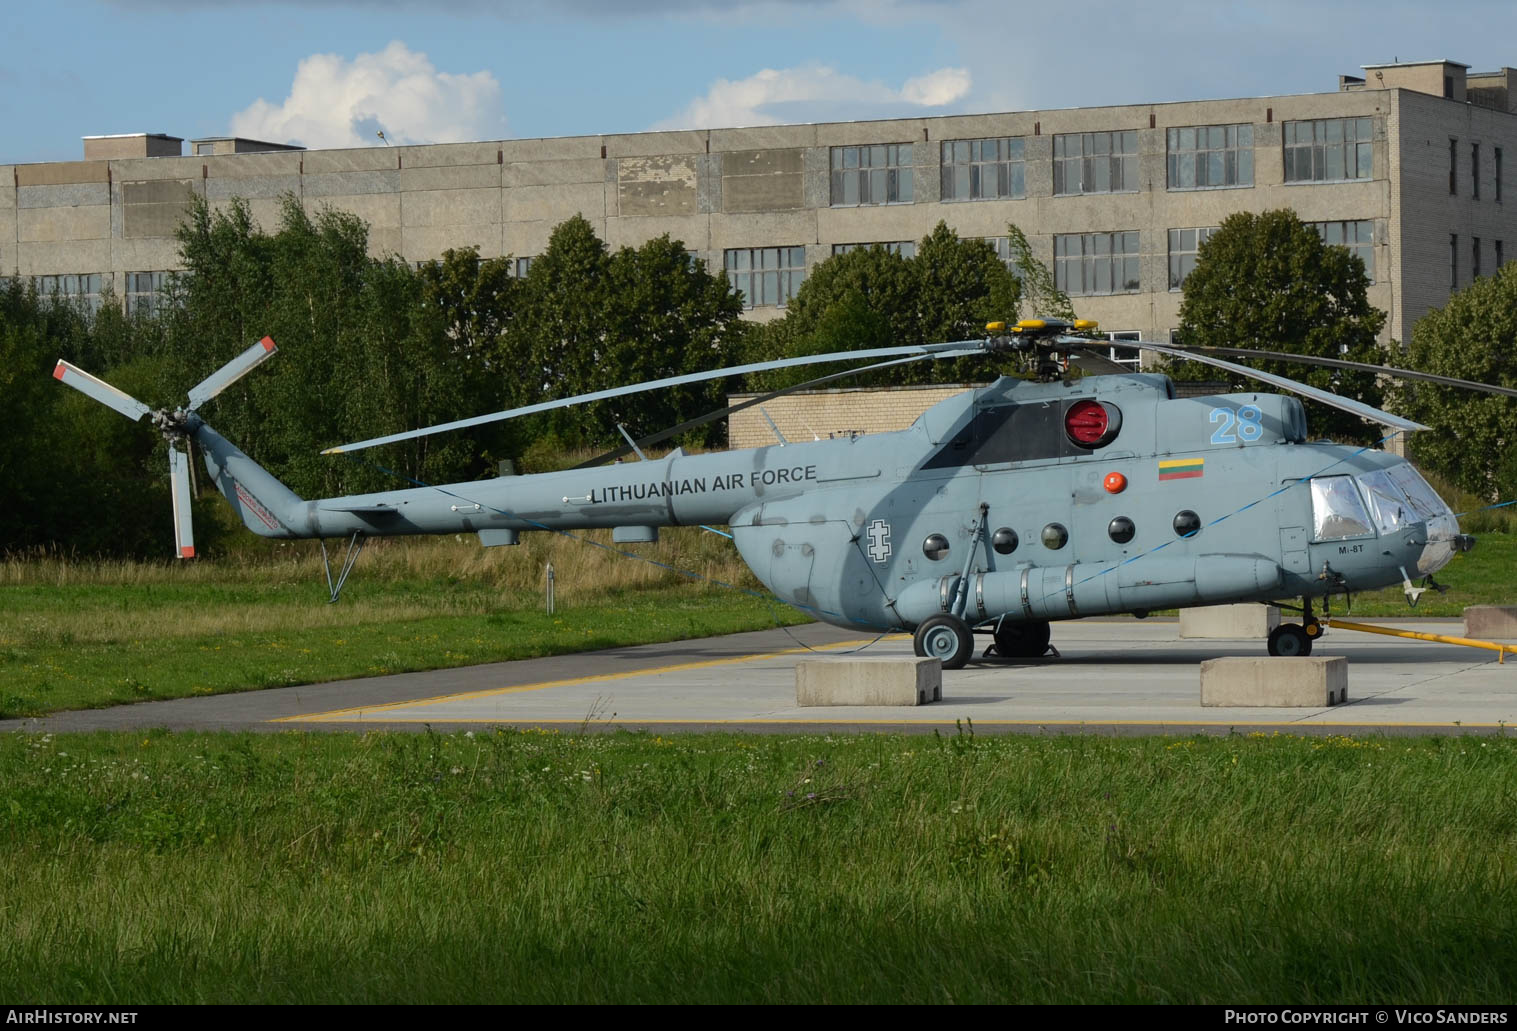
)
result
[(1041, 298), (362, 353), (590, 319), (871, 297), (1473, 440), (1268, 281)]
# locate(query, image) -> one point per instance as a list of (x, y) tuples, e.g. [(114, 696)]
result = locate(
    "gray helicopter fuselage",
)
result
[(988, 506)]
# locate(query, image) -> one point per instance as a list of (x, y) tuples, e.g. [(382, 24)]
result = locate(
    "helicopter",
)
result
[(1000, 511)]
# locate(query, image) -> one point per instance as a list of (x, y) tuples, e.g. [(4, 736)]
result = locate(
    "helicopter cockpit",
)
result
[(1383, 502)]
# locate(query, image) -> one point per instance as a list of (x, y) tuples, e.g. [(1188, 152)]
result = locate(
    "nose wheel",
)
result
[(1290, 640), (945, 638)]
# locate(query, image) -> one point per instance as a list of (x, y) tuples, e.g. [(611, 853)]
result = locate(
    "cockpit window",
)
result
[(1337, 511), (1390, 507), (1424, 499)]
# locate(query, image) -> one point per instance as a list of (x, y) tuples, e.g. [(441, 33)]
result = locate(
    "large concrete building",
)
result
[(1406, 165)]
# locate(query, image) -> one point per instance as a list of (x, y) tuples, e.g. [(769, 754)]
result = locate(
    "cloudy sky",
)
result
[(332, 73)]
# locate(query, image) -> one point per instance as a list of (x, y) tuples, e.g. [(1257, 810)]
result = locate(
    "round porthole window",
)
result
[(1055, 536), (1121, 529), (935, 546), (1187, 524), (1004, 540)]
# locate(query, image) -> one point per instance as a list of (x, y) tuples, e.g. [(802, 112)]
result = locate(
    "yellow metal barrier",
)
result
[(1502, 649)]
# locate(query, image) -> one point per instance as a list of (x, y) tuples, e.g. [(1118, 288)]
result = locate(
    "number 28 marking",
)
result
[(1247, 422)]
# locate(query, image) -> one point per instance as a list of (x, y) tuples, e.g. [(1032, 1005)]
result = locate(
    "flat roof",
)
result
[(134, 135), (1412, 64)]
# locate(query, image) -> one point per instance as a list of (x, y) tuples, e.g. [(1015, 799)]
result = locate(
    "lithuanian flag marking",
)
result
[(1181, 468)]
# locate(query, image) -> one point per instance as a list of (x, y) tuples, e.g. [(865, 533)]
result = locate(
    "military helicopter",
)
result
[(999, 511)]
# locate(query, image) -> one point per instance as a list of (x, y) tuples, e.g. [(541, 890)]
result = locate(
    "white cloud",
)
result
[(816, 93), (334, 102)]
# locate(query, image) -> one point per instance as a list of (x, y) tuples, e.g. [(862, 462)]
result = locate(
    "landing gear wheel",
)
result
[(1022, 640), (945, 638), (1290, 640)]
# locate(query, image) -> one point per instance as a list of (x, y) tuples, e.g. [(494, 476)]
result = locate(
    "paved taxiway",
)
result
[(1121, 676)]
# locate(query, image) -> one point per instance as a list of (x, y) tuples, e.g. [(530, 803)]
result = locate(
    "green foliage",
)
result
[(1040, 297), (368, 346), (1267, 281), (870, 297), (590, 319), (1474, 436)]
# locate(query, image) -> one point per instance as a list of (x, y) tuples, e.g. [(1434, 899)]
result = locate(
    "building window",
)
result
[(766, 276), (1453, 261), (1358, 237), (905, 248), (1329, 150), (523, 266), (1184, 245), (203, 149), (1498, 175), (1475, 170), (1096, 263), (984, 170), (871, 175), (145, 292), (1475, 257), (1453, 166), (1122, 355), (1499, 258), (1207, 156), (1095, 162), (82, 291)]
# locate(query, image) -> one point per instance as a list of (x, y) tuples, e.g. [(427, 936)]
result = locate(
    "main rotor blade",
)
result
[(179, 477), (1097, 364), (1339, 363), (670, 381), (718, 413), (1326, 397), (231, 372), (100, 390)]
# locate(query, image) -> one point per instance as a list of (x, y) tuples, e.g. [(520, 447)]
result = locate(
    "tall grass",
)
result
[(579, 566), (528, 867)]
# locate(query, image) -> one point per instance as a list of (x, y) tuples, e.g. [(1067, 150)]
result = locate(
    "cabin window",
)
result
[(935, 546), (1387, 503), (1121, 530), (1337, 510)]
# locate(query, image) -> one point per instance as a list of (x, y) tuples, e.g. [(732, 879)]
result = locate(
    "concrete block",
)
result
[(1230, 622), (1269, 681), (857, 681), (1491, 622)]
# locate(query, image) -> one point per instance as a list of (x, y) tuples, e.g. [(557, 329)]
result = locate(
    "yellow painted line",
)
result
[(360, 710)]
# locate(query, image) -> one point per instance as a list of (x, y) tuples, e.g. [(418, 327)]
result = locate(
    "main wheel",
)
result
[(1023, 640), (946, 639), (1290, 640)]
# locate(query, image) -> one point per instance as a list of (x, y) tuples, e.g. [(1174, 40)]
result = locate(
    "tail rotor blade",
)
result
[(100, 390), (231, 372), (184, 531)]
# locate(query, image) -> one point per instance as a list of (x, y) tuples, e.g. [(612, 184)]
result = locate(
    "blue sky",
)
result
[(331, 72)]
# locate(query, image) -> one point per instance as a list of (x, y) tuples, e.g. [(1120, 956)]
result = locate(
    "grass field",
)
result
[(529, 867), (84, 635)]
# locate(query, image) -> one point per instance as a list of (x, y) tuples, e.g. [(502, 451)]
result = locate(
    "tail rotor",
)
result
[(175, 425)]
